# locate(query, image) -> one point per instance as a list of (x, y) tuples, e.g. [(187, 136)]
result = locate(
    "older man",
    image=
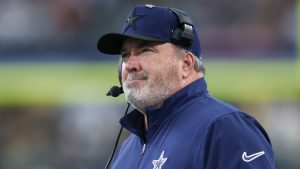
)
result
[(176, 124)]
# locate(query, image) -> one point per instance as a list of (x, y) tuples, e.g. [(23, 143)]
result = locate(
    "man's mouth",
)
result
[(135, 76)]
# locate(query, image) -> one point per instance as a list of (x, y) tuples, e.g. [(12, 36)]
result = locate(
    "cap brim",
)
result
[(112, 43)]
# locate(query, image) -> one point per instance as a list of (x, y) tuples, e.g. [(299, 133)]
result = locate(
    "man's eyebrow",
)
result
[(139, 45)]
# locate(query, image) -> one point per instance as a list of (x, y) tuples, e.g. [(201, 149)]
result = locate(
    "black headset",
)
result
[(182, 35)]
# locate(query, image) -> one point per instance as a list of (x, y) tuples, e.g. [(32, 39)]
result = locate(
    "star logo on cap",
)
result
[(157, 164), (132, 19)]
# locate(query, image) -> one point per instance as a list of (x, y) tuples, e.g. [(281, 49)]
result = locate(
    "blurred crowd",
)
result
[(68, 137), (69, 29)]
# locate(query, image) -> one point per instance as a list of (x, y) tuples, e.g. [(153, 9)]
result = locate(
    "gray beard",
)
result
[(143, 98), (155, 91)]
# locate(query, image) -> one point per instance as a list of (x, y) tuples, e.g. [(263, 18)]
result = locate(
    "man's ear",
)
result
[(188, 64)]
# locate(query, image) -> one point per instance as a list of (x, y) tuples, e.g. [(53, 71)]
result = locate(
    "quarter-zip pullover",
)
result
[(193, 130)]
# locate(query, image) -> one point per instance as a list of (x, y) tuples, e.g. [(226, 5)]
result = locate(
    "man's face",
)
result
[(150, 72)]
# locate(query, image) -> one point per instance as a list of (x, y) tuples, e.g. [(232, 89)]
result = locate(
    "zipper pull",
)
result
[(143, 149)]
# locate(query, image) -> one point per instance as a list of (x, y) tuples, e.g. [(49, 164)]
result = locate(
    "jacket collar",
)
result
[(134, 121)]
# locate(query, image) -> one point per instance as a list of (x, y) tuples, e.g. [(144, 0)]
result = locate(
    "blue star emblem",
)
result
[(132, 19), (157, 164)]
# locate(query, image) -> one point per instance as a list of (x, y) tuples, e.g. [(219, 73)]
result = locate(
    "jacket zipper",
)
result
[(142, 154), (143, 149)]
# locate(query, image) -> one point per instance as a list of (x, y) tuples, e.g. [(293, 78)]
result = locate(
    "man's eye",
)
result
[(124, 55)]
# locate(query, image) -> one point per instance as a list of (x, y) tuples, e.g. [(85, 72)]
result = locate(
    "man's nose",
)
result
[(132, 64)]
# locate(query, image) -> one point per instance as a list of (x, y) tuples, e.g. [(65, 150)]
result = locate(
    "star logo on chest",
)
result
[(157, 164), (132, 19)]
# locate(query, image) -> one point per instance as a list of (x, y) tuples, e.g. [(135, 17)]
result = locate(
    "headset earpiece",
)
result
[(183, 34)]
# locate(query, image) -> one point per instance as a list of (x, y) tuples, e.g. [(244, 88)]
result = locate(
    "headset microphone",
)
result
[(115, 91)]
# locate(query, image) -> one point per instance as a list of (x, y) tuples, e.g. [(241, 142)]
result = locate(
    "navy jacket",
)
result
[(192, 130)]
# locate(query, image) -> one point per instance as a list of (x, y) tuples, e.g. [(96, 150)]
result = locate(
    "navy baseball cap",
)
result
[(157, 24)]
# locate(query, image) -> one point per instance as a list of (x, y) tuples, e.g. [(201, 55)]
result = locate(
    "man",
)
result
[(176, 124)]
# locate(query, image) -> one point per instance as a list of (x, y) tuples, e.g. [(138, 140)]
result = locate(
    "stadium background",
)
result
[(53, 110)]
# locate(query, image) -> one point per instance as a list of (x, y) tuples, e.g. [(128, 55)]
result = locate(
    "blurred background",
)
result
[(53, 110)]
